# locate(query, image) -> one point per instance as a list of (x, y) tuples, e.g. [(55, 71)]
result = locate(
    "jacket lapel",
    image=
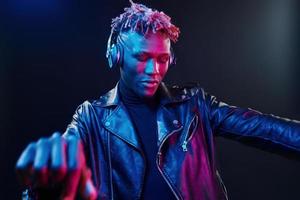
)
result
[(119, 123)]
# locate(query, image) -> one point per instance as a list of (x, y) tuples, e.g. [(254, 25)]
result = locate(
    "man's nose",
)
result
[(152, 67)]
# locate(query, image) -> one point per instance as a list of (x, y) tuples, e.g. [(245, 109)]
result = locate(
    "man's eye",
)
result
[(141, 57), (163, 59)]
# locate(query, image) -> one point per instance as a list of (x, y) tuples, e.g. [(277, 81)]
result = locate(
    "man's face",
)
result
[(145, 61)]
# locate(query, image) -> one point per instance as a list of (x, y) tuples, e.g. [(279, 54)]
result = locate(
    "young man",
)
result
[(144, 140)]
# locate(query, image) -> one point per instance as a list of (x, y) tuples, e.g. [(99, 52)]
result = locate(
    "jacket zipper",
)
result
[(188, 137), (158, 161), (110, 168)]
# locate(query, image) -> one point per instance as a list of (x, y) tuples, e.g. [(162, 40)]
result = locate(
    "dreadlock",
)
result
[(142, 19)]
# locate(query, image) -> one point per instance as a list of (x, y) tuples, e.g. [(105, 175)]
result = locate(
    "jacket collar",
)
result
[(167, 96), (118, 122)]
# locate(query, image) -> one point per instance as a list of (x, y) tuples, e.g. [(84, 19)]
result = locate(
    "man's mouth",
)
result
[(150, 82)]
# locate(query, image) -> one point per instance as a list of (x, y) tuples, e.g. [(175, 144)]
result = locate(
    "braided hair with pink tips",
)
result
[(142, 19)]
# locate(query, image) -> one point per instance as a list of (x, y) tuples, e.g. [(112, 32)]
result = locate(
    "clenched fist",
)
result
[(56, 161)]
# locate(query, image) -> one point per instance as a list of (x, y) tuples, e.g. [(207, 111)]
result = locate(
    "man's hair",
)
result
[(142, 19)]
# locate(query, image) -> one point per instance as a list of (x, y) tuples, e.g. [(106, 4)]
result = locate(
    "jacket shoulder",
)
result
[(188, 90)]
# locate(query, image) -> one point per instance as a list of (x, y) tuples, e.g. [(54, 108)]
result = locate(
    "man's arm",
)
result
[(245, 123), (57, 162)]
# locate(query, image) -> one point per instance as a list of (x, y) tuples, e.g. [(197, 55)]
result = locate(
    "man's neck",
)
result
[(130, 98)]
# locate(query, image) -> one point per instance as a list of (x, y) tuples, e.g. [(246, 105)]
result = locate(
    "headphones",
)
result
[(115, 52)]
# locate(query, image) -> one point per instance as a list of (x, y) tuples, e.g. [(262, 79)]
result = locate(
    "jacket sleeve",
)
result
[(79, 124), (245, 123)]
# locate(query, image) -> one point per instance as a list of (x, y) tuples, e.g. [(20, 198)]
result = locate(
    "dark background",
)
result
[(52, 58)]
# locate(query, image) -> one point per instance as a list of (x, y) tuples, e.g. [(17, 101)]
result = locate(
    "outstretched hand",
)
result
[(56, 161)]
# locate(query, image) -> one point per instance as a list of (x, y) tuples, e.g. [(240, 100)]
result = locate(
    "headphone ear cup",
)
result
[(172, 57), (113, 56)]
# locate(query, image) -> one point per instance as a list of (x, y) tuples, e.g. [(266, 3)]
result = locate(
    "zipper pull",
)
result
[(184, 146), (159, 158)]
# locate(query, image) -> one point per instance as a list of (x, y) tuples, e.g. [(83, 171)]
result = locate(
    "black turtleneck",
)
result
[(143, 114)]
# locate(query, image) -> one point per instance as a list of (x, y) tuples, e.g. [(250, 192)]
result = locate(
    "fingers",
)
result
[(24, 163), (43, 162), (75, 154), (57, 161), (40, 165), (75, 163), (58, 158), (79, 174)]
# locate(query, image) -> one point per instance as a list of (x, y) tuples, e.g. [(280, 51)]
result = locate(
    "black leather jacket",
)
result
[(187, 119)]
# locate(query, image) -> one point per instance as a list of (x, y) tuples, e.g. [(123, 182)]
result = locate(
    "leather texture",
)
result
[(188, 120)]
